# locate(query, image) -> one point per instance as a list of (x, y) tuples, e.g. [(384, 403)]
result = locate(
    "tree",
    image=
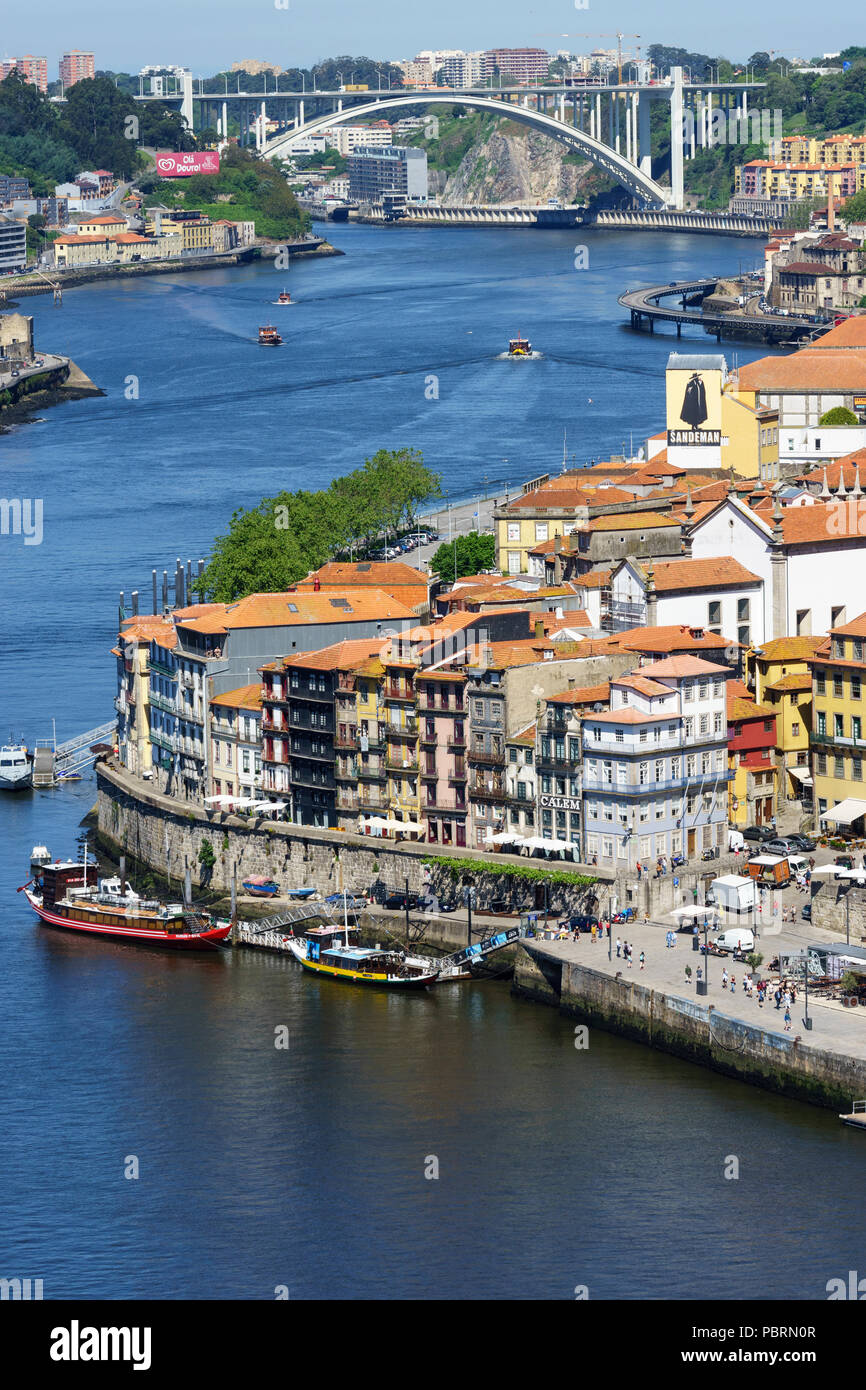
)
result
[(270, 547), (474, 554), (854, 208), (839, 415)]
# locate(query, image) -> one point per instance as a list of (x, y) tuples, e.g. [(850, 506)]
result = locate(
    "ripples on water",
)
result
[(305, 1167)]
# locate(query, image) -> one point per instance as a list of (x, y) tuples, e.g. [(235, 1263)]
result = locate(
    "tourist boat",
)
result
[(16, 769), (519, 347), (69, 895), (268, 334), (332, 952), (284, 297), (40, 855), (261, 887)]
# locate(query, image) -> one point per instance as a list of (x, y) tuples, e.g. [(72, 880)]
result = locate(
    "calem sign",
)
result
[(172, 166)]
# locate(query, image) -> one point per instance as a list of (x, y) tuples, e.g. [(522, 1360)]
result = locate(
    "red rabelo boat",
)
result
[(62, 897)]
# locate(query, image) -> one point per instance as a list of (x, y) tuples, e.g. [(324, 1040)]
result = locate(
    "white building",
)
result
[(345, 138), (655, 765), (811, 559), (520, 782), (717, 593)]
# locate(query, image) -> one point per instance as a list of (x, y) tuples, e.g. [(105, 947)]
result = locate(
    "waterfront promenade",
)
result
[(834, 1029)]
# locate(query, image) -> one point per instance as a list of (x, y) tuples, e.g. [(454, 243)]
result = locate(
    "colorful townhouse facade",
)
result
[(753, 786), (838, 738)]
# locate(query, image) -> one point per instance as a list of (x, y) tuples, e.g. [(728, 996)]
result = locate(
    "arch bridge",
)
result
[(631, 174)]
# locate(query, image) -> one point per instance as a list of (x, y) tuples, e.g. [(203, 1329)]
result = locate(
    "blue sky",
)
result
[(207, 35)]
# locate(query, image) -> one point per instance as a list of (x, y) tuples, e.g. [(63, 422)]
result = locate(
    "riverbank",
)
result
[(727, 1032), (34, 284), (34, 389)]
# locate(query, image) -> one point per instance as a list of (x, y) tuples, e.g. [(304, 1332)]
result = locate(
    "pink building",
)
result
[(32, 69), (76, 65)]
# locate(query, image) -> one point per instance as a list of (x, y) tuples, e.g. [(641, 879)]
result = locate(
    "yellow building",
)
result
[(711, 424), (779, 676), (839, 727), (132, 701), (104, 224), (400, 727), (830, 151)]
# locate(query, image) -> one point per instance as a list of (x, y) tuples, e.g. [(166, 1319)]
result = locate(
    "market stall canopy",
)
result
[(684, 912), (502, 837), (847, 811)]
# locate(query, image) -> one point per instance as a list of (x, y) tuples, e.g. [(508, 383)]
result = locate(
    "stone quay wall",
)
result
[(167, 835), (691, 1030)]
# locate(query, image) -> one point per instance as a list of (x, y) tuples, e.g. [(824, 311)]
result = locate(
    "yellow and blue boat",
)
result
[(358, 965)]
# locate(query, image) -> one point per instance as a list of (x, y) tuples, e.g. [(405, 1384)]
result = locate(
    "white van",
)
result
[(736, 840), (735, 938)]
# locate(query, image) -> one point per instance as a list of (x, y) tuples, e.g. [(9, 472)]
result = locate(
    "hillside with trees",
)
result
[(246, 189)]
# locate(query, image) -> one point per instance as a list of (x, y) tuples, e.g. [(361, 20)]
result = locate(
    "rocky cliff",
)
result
[(509, 163)]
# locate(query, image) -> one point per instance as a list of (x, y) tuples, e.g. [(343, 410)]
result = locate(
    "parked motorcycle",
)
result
[(712, 853)]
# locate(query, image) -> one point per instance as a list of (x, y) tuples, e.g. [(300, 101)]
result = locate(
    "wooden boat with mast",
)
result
[(62, 896)]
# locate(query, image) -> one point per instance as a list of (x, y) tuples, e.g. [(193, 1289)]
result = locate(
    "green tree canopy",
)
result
[(854, 208), (474, 554), (839, 415), (270, 547)]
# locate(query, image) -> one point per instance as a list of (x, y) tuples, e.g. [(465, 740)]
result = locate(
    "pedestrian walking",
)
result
[(699, 974), (778, 998), (618, 947), (761, 993), (725, 978), (787, 1020), (628, 955), (642, 958), (646, 919), (639, 869), (733, 984), (592, 932)]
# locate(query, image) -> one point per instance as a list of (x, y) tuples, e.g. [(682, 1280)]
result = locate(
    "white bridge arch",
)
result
[(629, 175)]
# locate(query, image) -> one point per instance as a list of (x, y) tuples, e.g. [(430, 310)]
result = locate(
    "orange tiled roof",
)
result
[(795, 680), (850, 334), (568, 498), (717, 571), (642, 684), (582, 695), (379, 574), (824, 523), (295, 608), (670, 637), (340, 656), (245, 697), (811, 369), (630, 521), (686, 666), (856, 627), (847, 466), (790, 648)]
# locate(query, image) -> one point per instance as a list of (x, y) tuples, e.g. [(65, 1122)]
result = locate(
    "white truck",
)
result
[(734, 893)]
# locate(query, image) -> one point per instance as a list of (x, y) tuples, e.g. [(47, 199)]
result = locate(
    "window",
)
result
[(822, 722), (660, 770), (820, 683), (858, 649), (795, 728), (705, 724), (855, 727), (714, 612), (514, 562), (821, 764), (717, 689), (514, 531), (855, 687), (622, 773), (512, 755), (521, 791), (838, 686), (608, 773), (675, 769), (691, 765), (618, 736), (838, 767), (743, 610), (643, 774), (688, 728), (541, 529), (857, 769), (838, 726), (688, 691), (717, 723), (642, 736)]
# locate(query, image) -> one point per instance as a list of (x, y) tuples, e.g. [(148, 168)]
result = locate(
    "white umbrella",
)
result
[(826, 871)]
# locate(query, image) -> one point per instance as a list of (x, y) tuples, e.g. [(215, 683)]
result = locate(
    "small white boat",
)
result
[(16, 768)]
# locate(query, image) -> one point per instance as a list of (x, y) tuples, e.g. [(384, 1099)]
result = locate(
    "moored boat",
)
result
[(269, 335), (261, 887), (331, 951), (68, 895), (519, 347), (16, 768)]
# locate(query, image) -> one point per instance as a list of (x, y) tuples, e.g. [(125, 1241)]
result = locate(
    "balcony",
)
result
[(486, 759), (162, 669), (842, 741), (429, 774), (456, 807), (457, 775), (348, 741), (408, 729), (456, 745), (429, 741), (399, 692), (480, 793), (424, 707), (166, 741), (371, 772), (398, 764), (272, 724)]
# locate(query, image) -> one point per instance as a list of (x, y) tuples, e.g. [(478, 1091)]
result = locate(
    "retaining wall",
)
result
[(686, 1028)]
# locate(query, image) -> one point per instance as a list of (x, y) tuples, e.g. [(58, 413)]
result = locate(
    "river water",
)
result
[(304, 1166)]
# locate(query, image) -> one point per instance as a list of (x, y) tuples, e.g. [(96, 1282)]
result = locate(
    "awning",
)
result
[(847, 811), (685, 912), (502, 837), (801, 774)]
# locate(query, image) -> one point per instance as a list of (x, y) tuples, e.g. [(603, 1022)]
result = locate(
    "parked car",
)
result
[(781, 845), (759, 832), (806, 912), (400, 901), (801, 843), (579, 923)]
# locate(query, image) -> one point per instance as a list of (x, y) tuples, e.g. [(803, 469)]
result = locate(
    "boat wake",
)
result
[(523, 357)]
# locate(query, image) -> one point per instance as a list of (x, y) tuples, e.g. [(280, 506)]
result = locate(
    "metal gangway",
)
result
[(271, 932), (53, 761)]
